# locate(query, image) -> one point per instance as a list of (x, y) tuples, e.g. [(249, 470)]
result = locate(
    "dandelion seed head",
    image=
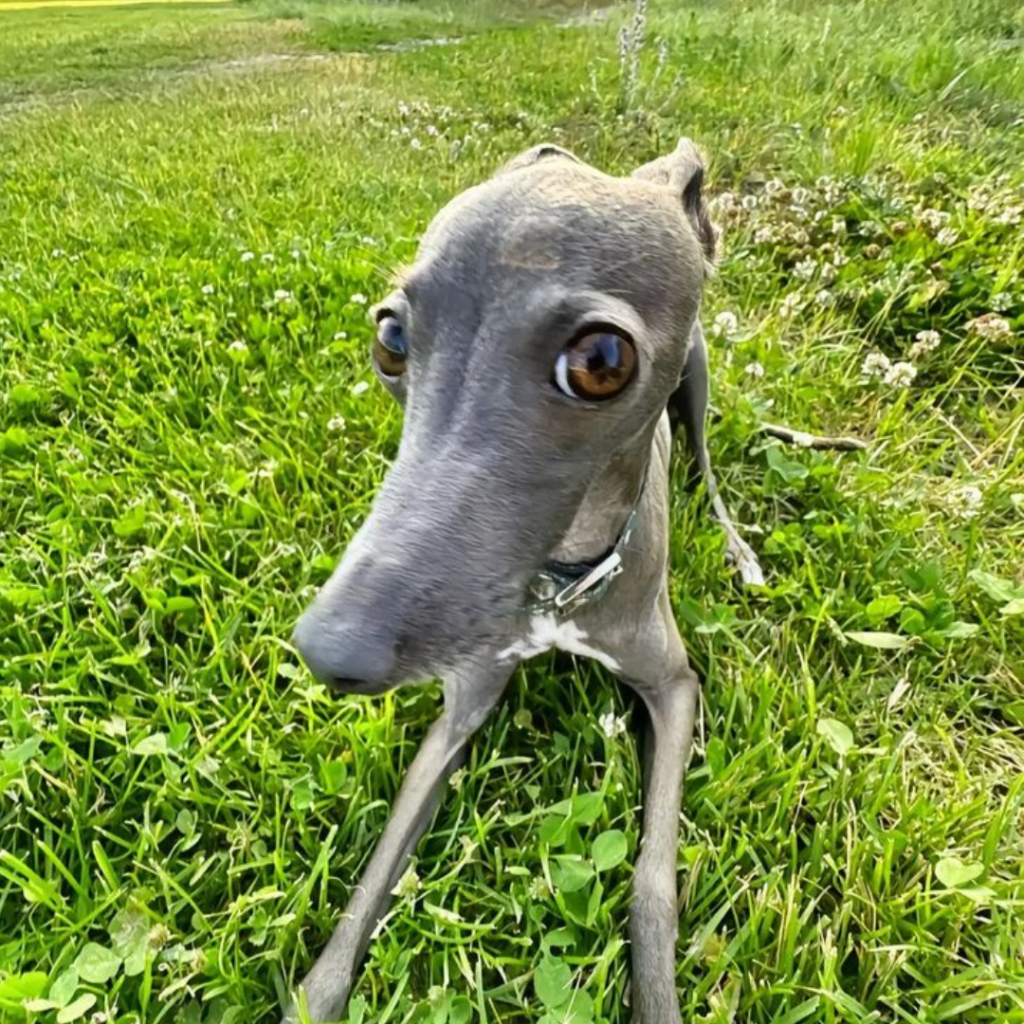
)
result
[(725, 325)]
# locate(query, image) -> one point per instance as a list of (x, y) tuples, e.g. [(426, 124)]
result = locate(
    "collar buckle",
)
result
[(554, 589), (584, 588)]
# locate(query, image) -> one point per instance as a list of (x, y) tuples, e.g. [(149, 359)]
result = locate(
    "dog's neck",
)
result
[(606, 506)]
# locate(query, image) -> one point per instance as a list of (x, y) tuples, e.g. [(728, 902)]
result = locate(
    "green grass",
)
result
[(186, 444)]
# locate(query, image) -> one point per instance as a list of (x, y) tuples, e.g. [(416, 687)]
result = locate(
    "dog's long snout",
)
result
[(344, 655)]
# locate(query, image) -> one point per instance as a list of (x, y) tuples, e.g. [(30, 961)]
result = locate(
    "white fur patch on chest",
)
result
[(548, 631)]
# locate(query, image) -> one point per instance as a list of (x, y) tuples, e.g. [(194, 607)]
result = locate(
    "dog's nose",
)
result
[(343, 655)]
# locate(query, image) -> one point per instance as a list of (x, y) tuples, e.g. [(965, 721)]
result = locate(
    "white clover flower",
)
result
[(755, 370), (801, 196), (57, 253), (238, 346), (926, 341), (876, 364), (749, 203), (931, 219), (966, 502), (208, 289), (725, 325), (336, 423), (766, 235), (840, 259), (415, 143), (790, 306), (247, 256), (1011, 215), (359, 387), (989, 326), (611, 725), (403, 109), (824, 298), (947, 236), (900, 375), (539, 888), (724, 204), (368, 240), (827, 273), (358, 298), (431, 130), (408, 885), (140, 557), (774, 186), (341, 335), (806, 269), (406, 130), (296, 255), (1002, 301), (267, 257), (282, 295)]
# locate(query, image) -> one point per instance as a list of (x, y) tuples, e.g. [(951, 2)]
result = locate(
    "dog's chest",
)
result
[(547, 631)]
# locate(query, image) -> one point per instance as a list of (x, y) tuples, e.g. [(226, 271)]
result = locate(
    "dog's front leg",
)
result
[(469, 699), (653, 661), (654, 917)]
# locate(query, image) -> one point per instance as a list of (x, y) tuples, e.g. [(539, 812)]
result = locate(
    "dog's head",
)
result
[(536, 338)]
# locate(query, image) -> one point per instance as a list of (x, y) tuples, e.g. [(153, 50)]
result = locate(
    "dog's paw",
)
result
[(742, 556)]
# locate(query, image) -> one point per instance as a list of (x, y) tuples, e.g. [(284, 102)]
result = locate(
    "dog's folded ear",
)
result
[(545, 151), (682, 172)]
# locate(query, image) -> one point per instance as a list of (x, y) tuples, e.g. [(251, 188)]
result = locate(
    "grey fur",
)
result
[(498, 471)]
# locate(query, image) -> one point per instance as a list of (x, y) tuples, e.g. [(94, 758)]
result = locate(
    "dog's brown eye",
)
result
[(596, 366), (390, 349)]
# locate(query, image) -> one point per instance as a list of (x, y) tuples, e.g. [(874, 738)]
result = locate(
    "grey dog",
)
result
[(543, 344)]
